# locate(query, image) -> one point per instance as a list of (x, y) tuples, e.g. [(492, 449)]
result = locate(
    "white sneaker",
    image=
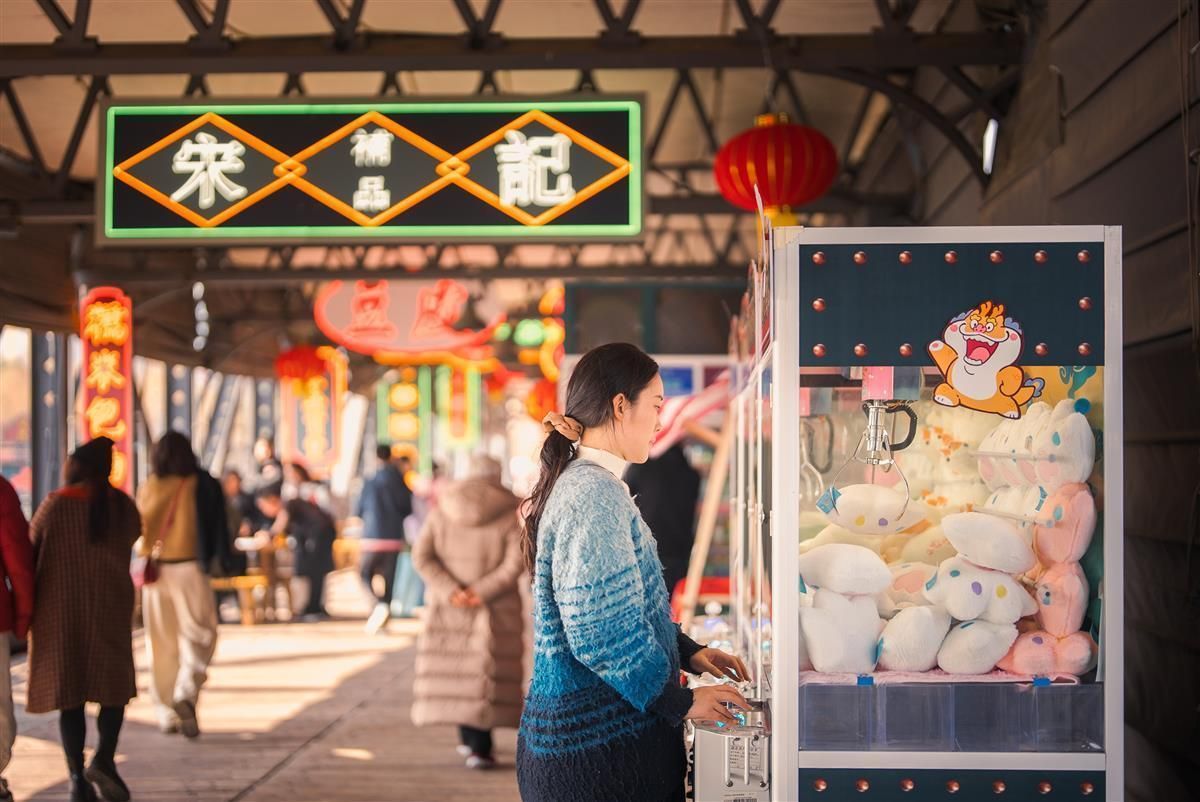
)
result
[(378, 620), (481, 762)]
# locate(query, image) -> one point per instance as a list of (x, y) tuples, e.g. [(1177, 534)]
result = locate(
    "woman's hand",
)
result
[(720, 664), (708, 704), (465, 598)]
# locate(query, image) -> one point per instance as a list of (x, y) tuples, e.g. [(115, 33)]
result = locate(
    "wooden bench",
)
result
[(245, 586)]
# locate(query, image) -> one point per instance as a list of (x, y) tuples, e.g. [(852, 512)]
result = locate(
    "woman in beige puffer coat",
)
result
[(470, 657)]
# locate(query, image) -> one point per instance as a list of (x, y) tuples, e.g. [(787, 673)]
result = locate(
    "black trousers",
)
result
[(316, 584), (376, 563), (479, 741)]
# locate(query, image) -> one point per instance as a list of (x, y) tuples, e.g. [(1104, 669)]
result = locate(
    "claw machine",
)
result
[(926, 555)]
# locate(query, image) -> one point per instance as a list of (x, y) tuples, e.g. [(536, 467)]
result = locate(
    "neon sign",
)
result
[(106, 390)]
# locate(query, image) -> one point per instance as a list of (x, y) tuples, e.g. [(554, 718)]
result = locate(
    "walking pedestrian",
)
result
[(81, 639), (187, 536), (603, 718), (311, 532), (469, 668), (385, 502), (16, 608)]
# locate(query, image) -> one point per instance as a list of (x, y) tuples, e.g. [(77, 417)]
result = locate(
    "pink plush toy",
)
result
[(1058, 647)]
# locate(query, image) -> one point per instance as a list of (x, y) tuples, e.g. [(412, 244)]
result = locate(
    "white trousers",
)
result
[(8, 718), (180, 615)]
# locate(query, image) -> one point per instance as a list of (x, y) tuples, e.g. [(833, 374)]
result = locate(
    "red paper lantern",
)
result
[(791, 164), (301, 362)]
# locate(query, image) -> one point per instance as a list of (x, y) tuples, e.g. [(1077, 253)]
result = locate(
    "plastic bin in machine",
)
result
[(1067, 718), (835, 716), (992, 717), (915, 717)]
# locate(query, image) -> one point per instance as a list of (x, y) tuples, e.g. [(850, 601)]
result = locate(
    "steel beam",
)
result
[(48, 439), (836, 201), (383, 52)]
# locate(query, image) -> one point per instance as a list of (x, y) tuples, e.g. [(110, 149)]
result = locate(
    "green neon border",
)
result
[(465, 231)]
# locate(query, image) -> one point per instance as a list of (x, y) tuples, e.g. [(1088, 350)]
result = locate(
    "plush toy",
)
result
[(907, 588), (870, 509), (845, 568), (974, 647), (841, 631), (1070, 515), (836, 534), (1039, 653), (912, 639), (989, 541), (968, 592), (1057, 646), (930, 546), (1065, 448)]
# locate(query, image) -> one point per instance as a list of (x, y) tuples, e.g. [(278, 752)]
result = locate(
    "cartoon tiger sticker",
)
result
[(977, 357)]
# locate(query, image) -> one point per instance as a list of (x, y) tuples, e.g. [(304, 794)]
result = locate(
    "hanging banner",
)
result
[(404, 415), (240, 172), (311, 420), (106, 387)]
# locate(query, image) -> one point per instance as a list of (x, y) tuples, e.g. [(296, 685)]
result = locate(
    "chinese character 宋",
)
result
[(526, 166), (371, 195), (372, 149), (208, 161), (106, 323), (104, 371)]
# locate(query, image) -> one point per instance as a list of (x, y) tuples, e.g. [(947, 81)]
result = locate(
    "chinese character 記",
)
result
[(104, 418), (371, 195), (372, 149), (208, 161), (525, 170), (104, 371), (106, 323)]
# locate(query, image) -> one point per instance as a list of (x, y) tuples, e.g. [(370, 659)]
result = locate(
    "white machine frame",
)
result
[(783, 358)]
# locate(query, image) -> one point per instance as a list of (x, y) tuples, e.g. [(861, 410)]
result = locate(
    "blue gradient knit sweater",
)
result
[(603, 719)]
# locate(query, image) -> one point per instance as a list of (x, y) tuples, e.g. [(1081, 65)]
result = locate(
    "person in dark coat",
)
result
[(16, 608), (385, 502), (81, 641), (311, 532), (666, 489)]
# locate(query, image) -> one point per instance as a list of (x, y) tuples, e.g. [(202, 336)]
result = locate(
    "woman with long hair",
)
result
[(187, 534), (604, 714), (81, 642)]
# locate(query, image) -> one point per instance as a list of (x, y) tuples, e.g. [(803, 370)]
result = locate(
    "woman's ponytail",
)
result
[(557, 453)]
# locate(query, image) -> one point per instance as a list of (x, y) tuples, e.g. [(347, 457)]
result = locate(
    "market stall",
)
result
[(927, 570)]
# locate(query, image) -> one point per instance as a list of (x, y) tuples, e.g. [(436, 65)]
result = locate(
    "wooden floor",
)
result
[(291, 713)]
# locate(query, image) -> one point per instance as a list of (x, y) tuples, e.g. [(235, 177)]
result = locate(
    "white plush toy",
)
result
[(907, 588), (836, 534), (1065, 448), (974, 647), (930, 546), (911, 640), (841, 632), (989, 541), (968, 591), (870, 509), (845, 568)]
